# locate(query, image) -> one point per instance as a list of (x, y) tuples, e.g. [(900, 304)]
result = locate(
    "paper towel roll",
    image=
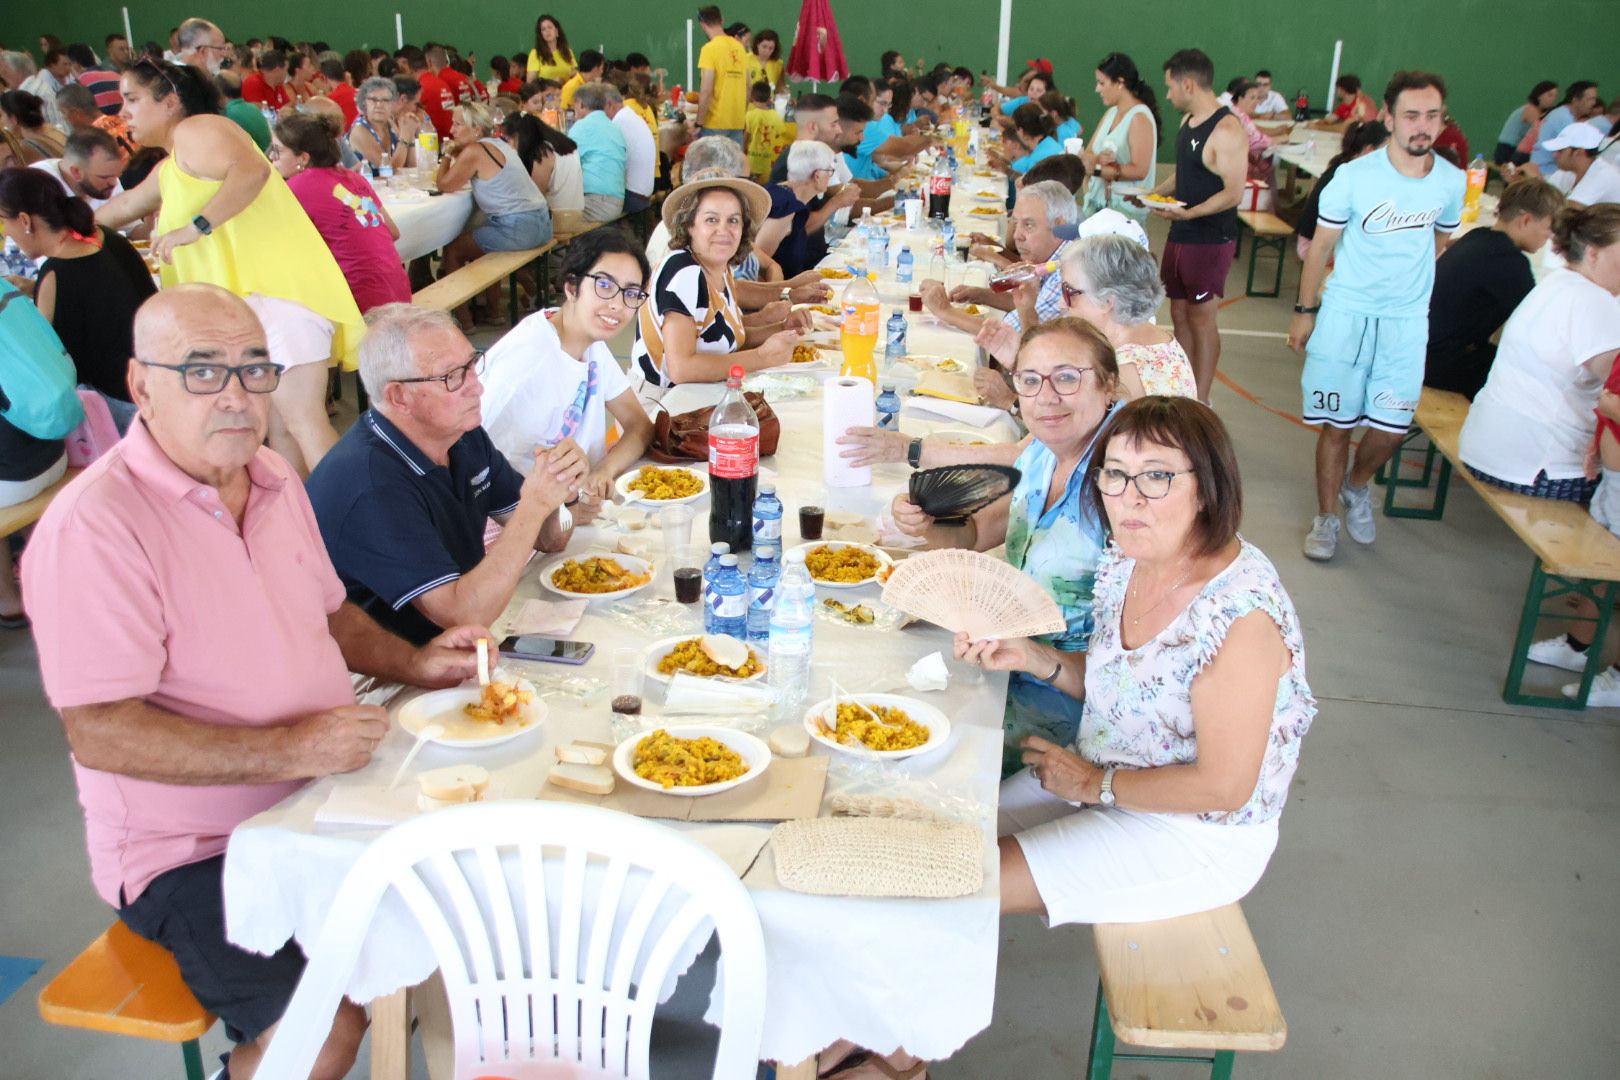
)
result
[(846, 402)]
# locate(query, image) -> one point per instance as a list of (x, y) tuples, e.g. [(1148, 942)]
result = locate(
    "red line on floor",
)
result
[(1232, 385)]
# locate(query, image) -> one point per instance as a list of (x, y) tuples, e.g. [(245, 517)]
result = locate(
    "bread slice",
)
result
[(452, 785), (579, 752), (590, 779), (631, 518), (725, 650), (640, 545), (790, 741)]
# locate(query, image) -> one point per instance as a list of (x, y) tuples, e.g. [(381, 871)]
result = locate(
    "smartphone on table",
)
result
[(546, 649)]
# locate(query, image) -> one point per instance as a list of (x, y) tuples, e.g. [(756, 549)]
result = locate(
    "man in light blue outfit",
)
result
[(1580, 103), (602, 153)]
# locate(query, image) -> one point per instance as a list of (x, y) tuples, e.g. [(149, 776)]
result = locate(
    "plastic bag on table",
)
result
[(861, 614), (781, 385), (582, 689), (862, 786), (744, 703), (658, 616)]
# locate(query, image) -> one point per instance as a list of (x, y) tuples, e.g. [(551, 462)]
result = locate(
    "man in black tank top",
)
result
[(1212, 161)]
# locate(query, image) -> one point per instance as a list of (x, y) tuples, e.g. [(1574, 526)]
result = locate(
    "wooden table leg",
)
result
[(804, 1070), (391, 1036)]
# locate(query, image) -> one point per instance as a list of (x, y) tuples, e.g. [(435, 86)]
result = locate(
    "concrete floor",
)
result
[(1442, 904)]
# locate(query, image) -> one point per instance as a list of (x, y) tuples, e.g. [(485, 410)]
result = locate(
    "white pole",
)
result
[(399, 30), (1003, 41), (689, 54), (129, 35), (1333, 80)]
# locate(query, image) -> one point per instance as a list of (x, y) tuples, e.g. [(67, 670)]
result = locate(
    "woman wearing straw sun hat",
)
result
[(692, 328)]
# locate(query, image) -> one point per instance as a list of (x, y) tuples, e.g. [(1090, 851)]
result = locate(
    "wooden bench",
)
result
[(1192, 983), (19, 517), (126, 985), (460, 286), (1271, 233), (1573, 553)]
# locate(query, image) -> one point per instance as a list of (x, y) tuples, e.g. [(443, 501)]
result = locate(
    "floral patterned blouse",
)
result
[(1163, 369), (1138, 709)]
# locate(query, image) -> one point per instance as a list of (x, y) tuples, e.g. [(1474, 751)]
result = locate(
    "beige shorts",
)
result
[(295, 334)]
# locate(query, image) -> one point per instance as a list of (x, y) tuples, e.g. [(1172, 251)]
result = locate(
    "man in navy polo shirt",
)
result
[(404, 497)]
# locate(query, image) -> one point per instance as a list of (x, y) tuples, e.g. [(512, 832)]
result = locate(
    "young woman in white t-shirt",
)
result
[(1533, 427), (553, 376)]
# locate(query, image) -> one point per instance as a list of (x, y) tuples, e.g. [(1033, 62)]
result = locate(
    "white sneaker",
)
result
[(1358, 512), (1557, 652), (1605, 693), (1323, 539)]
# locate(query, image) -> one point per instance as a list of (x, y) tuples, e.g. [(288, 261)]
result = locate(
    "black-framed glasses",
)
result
[(1070, 292), (273, 152), (1065, 380), (607, 288), (1152, 483), (204, 379), (376, 99), (456, 377)]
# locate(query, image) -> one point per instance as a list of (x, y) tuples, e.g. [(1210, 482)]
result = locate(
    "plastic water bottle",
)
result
[(877, 248), (730, 600), (792, 632), (948, 229), (767, 515), (385, 173), (903, 265), (888, 410), (269, 115), (894, 342), (710, 569), (762, 579)]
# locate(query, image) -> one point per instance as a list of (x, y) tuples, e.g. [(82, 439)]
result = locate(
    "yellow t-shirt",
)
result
[(561, 69), (569, 87), (767, 135), (756, 72), (728, 107), (773, 74)]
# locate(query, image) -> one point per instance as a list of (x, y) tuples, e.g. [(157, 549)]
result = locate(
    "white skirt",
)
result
[(1098, 865), (295, 334)]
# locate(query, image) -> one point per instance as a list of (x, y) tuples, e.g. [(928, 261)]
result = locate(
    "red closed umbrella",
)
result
[(817, 53)]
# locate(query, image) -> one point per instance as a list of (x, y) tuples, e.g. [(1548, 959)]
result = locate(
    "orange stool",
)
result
[(127, 985)]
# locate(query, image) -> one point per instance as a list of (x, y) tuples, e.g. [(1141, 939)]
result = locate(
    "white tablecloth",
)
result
[(426, 222), (1309, 150), (884, 973)]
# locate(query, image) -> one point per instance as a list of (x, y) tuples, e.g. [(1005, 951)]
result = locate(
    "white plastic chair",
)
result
[(475, 881)]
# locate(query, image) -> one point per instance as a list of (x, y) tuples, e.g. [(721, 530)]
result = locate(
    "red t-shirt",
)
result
[(437, 100), (346, 213), (1612, 385), (1451, 135), (343, 94), (261, 93), (510, 86), (458, 86)]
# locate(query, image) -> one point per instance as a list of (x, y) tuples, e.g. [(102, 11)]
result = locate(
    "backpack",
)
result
[(37, 376)]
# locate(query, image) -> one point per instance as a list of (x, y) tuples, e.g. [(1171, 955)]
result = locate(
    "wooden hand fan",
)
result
[(973, 593)]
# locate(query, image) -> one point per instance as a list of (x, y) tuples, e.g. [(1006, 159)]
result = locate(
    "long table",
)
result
[(912, 973), (426, 222)]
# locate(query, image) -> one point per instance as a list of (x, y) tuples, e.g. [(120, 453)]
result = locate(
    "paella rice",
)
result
[(661, 485), (688, 656), (596, 575), (672, 762), (876, 727), (845, 565)]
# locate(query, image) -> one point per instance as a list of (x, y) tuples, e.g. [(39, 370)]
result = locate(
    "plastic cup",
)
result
[(914, 302), (914, 208), (688, 574), (626, 681), (676, 523)]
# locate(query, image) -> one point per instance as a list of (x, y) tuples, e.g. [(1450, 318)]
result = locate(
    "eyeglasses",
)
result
[(1070, 292), (1152, 483), (607, 289), (273, 152), (205, 379), (456, 377), (375, 100), (1065, 380)]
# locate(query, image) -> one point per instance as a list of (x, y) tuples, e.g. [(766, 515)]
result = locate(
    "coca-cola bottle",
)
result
[(939, 188), (733, 467), (1302, 107)]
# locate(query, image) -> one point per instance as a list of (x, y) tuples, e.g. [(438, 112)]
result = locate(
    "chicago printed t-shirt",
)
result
[(728, 106), (1384, 262)]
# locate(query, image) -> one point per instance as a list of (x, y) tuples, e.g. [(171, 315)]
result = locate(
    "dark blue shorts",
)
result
[(184, 911)]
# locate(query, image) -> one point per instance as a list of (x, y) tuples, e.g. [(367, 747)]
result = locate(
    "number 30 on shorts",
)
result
[(1328, 401)]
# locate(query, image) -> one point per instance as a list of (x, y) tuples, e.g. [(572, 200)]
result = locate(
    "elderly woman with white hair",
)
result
[(1113, 284), (375, 134), (512, 213), (785, 236)]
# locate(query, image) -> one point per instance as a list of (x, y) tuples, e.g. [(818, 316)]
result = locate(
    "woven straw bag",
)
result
[(879, 856)]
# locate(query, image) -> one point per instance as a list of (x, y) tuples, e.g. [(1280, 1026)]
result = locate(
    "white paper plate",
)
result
[(753, 752), (937, 723), (948, 364), (1152, 205), (988, 196), (622, 486), (461, 731), (882, 557), (629, 562), (966, 438), (660, 649)]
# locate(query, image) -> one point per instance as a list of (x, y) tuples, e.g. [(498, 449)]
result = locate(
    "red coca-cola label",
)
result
[(939, 185), (733, 458)]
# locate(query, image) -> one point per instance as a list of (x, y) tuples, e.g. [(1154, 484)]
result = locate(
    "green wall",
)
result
[(1489, 56)]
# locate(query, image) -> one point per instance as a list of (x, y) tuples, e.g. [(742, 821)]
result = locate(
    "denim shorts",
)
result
[(514, 232)]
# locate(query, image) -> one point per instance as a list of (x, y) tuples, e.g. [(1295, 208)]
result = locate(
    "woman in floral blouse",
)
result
[(1114, 284), (1194, 689)]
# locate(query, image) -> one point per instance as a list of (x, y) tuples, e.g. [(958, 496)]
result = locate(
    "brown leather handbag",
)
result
[(685, 437)]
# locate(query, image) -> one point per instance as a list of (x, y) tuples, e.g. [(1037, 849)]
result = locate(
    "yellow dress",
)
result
[(773, 74), (557, 72), (270, 248)]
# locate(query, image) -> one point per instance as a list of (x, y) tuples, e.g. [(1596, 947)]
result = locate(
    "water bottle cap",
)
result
[(765, 551), (888, 388), (728, 560), (719, 548), (767, 488)]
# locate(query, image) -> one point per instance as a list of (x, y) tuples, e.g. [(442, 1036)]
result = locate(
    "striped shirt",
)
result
[(680, 287)]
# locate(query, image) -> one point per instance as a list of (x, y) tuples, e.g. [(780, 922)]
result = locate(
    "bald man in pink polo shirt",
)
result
[(195, 639)]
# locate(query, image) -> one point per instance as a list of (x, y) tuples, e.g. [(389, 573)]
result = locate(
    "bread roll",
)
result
[(725, 650), (640, 545), (590, 779), (582, 753), (790, 741)]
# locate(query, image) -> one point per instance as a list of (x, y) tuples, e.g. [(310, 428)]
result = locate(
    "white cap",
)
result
[(1577, 136), (1110, 222)]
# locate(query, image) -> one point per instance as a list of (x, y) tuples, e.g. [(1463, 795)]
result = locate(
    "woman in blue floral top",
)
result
[(1066, 377), (1195, 695)]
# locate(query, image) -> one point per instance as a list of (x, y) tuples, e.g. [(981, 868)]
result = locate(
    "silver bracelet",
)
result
[(1056, 671)]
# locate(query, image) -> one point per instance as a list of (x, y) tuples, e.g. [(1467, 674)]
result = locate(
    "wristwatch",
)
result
[(787, 293), (202, 225), (1106, 795), (914, 454), (1301, 309)]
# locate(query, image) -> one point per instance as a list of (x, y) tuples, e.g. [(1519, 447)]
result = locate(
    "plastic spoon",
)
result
[(423, 737)]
